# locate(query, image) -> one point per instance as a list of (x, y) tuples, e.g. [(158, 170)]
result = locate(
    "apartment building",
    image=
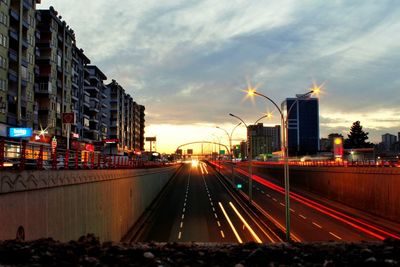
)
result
[(79, 79), (264, 140), (17, 63), (95, 106), (142, 126), (54, 81)]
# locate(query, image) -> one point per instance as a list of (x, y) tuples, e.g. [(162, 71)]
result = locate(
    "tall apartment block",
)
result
[(80, 77), (95, 106), (303, 125), (17, 63), (126, 120), (264, 140), (142, 126), (54, 81)]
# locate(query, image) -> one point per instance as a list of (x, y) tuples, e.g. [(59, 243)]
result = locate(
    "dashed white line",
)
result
[(184, 209), (262, 192), (302, 216), (292, 210), (268, 195), (282, 204), (316, 224), (274, 199), (179, 235), (183, 216), (181, 225), (222, 234), (216, 217), (338, 237), (219, 224)]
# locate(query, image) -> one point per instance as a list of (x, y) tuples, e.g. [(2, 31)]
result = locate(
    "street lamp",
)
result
[(249, 157), (230, 147), (285, 147)]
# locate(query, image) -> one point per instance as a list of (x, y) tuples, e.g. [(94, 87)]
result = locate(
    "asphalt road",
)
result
[(311, 219), (196, 206)]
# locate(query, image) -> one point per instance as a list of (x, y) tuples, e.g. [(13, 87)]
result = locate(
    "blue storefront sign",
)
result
[(19, 132)]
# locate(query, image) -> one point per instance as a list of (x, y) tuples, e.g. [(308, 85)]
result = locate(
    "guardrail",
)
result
[(327, 163), (30, 156)]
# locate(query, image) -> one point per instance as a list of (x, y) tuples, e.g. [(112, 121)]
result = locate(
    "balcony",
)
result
[(104, 105), (11, 119), (14, 14), (24, 62), (37, 70), (92, 89), (104, 115), (14, 34), (27, 4), (13, 55), (25, 43), (94, 119), (103, 95), (25, 24), (43, 88), (37, 34), (37, 52), (12, 75), (74, 95), (24, 82)]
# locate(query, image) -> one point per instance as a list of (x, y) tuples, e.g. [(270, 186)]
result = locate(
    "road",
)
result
[(311, 219), (196, 206)]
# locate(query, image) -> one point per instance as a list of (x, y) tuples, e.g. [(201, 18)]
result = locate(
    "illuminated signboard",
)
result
[(20, 132), (111, 141), (338, 147)]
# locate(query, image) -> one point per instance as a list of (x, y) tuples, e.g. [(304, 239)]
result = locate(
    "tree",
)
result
[(357, 137)]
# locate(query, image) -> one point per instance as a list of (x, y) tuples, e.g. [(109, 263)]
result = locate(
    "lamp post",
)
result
[(249, 157), (285, 145), (230, 148)]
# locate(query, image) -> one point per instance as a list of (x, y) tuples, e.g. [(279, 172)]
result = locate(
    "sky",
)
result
[(188, 61)]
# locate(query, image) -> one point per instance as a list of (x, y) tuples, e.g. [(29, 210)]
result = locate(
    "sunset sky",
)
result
[(188, 61)]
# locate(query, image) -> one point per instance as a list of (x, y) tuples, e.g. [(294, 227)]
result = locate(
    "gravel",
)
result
[(88, 251)]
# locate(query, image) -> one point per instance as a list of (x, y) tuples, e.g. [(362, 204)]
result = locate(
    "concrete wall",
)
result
[(374, 190), (67, 204)]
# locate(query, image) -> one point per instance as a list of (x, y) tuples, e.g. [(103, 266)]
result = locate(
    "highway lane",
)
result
[(310, 221), (197, 207)]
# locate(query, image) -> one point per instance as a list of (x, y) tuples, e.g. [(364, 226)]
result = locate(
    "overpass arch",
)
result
[(202, 142)]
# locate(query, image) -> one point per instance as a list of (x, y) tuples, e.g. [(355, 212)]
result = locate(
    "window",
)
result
[(3, 85), (30, 58), (3, 62), (31, 21), (24, 72), (3, 18), (3, 40)]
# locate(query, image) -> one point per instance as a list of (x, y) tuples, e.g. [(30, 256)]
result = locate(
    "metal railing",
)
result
[(22, 155)]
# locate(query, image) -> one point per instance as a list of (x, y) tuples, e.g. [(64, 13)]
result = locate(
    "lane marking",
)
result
[(179, 235), (222, 234), (302, 216), (268, 195), (338, 237), (181, 225), (183, 216), (230, 223), (292, 210), (316, 224), (262, 192), (282, 204), (255, 236), (213, 209), (219, 225), (216, 217), (274, 199), (183, 210)]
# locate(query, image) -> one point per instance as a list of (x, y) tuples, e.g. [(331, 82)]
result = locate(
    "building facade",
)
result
[(54, 81), (388, 140), (303, 125), (264, 140), (17, 63), (43, 74)]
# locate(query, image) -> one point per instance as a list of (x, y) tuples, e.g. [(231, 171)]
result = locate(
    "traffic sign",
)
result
[(68, 118)]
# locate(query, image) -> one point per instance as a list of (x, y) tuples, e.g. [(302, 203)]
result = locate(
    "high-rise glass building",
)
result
[(303, 125)]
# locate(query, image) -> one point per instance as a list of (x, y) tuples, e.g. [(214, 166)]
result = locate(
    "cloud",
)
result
[(187, 60)]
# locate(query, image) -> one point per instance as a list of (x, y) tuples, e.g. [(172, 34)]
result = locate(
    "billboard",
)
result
[(68, 118), (151, 139), (19, 132), (338, 147)]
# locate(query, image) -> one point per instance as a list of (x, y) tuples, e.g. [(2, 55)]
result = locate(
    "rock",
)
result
[(148, 255)]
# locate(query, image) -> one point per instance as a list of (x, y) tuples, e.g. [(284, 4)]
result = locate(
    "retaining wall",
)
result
[(66, 204), (374, 190)]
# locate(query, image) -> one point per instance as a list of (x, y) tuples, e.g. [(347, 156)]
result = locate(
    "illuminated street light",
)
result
[(315, 89), (230, 148), (249, 157)]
